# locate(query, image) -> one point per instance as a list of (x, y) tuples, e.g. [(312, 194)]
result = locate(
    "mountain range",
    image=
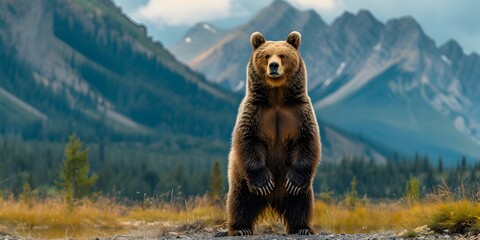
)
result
[(387, 82), (83, 66)]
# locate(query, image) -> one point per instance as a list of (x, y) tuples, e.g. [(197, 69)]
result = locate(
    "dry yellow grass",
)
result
[(457, 217), (365, 218), (438, 213), (52, 218), (200, 209)]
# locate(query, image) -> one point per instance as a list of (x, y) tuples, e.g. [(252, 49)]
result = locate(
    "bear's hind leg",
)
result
[(297, 213), (243, 209)]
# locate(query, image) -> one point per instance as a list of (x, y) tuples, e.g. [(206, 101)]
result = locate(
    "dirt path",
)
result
[(264, 234), (137, 235), (158, 231), (323, 236)]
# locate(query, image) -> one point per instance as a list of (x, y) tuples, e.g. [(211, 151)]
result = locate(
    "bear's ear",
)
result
[(294, 39), (256, 40)]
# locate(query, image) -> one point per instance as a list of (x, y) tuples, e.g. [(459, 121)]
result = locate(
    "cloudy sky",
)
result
[(168, 20)]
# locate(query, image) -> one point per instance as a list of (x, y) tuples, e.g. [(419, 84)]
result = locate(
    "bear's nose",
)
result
[(273, 66)]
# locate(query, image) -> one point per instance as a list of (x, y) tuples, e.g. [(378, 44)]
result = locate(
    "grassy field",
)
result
[(54, 218)]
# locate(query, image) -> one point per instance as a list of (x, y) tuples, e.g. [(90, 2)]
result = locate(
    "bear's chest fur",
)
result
[(277, 124), (278, 119)]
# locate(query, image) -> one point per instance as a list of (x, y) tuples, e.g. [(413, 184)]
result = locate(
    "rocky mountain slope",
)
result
[(83, 66), (196, 40), (388, 82), (68, 65)]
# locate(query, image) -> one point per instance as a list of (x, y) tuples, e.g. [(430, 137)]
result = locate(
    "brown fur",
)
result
[(276, 142)]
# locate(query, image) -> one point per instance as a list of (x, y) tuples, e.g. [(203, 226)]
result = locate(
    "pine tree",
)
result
[(463, 164), (74, 173), (216, 181), (473, 175), (412, 189), (352, 195), (440, 165)]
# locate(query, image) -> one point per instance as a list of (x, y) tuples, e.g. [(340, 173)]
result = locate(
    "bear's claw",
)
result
[(243, 232), (304, 231), (295, 190), (266, 189)]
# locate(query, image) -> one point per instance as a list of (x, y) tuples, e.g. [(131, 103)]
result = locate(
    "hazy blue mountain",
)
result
[(68, 65), (466, 68), (405, 94), (83, 66), (196, 40), (387, 82), (275, 22)]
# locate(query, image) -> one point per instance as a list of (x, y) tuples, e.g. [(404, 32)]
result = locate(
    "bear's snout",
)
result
[(273, 67)]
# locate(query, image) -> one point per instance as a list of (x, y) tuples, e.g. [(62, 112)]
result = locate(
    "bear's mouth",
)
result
[(274, 74)]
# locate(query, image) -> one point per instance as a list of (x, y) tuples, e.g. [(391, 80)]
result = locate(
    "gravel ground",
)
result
[(276, 231), (323, 236), (158, 232), (209, 233)]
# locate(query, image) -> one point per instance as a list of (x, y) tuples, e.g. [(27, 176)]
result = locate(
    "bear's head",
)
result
[(275, 61)]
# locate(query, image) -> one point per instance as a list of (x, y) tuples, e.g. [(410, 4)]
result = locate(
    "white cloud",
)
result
[(328, 9), (318, 5), (441, 19), (183, 12)]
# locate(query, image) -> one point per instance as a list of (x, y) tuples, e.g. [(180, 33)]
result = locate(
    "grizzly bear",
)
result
[(276, 142)]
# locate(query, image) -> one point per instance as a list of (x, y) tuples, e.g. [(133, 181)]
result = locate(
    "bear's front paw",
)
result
[(262, 184), (303, 231), (295, 184), (242, 232)]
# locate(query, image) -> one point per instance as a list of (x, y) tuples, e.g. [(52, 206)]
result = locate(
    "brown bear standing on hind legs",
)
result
[(276, 142)]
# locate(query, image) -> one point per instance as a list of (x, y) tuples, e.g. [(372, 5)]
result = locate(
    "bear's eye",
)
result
[(282, 56), (267, 56)]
